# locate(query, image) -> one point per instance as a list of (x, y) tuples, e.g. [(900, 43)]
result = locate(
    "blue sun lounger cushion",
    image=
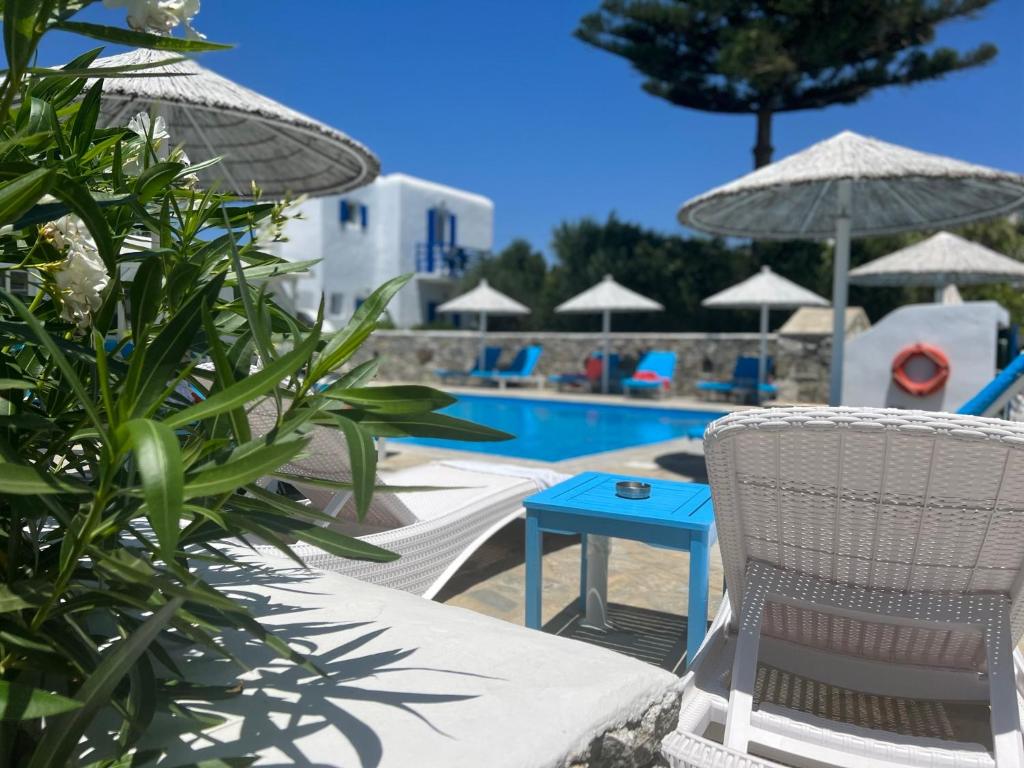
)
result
[(654, 372), (490, 363)]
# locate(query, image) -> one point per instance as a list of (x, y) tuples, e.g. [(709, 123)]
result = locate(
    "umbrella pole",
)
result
[(606, 328), (840, 280), (939, 291), (762, 360), (481, 356)]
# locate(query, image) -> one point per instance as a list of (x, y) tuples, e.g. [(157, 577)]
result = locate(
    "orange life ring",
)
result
[(916, 387)]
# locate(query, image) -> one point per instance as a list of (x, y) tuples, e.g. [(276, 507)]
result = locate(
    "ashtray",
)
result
[(631, 489)]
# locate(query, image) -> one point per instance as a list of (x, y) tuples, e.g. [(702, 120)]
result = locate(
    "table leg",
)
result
[(583, 573), (595, 601), (534, 573), (697, 611)]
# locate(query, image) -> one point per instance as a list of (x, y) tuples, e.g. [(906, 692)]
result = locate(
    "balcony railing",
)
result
[(440, 260)]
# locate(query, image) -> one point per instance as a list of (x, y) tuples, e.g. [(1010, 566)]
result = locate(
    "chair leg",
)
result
[(1006, 736), (744, 668), (337, 502)]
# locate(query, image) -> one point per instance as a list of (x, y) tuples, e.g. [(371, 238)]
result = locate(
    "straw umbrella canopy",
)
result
[(605, 298), (852, 186), (260, 140), (764, 291), (942, 260), (484, 301)]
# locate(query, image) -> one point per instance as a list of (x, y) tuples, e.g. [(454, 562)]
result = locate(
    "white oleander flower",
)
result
[(159, 16), (156, 133), (190, 180), (81, 277), (152, 131)]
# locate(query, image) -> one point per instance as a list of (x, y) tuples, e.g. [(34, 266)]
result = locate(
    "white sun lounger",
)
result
[(435, 532), (873, 559)]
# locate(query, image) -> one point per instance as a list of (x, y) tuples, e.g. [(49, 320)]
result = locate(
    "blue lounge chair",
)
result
[(519, 371), (591, 377), (654, 373), (743, 381), (489, 363)]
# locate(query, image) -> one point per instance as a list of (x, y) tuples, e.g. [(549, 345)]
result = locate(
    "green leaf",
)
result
[(63, 733), (156, 179), (363, 460), (19, 35), (22, 702), (77, 197), (219, 762), (125, 70), (23, 480), (226, 373), (84, 124), (158, 459), (18, 197), (57, 358), (248, 389), (10, 601), (358, 376), (248, 463), (398, 400), (364, 321), (342, 545), (138, 39), (145, 295), (15, 384), (44, 212), (162, 358), (423, 425)]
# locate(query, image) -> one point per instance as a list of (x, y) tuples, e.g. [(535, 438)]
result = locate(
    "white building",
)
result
[(395, 225)]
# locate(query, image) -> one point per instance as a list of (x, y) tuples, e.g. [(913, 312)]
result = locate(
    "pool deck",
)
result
[(647, 586)]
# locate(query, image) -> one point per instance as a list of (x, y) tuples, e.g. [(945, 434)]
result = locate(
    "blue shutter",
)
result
[(431, 224), (451, 229), (343, 213), (362, 216)]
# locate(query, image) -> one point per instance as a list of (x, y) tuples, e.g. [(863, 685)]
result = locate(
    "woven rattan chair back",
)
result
[(884, 499), (326, 457)]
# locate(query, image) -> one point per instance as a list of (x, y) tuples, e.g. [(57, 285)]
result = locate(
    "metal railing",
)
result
[(442, 260)]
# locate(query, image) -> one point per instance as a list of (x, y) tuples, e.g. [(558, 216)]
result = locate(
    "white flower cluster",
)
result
[(155, 132), (159, 16), (81, 277)]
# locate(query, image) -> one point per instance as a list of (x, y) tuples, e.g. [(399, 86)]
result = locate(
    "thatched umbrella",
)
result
[(944, 259), (283, 151), (764, 291), (604, 298), (852, 186), (484, 300)]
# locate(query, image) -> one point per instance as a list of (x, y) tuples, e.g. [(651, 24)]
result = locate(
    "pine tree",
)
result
[(768, 56)]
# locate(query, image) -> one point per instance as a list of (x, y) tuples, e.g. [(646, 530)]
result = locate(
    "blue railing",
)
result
[(995, 395), (445, 260)]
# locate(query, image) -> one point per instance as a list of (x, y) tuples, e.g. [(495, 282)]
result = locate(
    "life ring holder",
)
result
[(916, 387)]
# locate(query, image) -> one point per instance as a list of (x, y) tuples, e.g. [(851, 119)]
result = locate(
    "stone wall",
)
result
[(801, 365)]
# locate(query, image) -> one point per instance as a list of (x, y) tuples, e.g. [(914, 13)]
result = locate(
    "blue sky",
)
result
[(497, 97)]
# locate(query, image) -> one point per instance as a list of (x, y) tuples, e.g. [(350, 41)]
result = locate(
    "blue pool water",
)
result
[(549, 430)]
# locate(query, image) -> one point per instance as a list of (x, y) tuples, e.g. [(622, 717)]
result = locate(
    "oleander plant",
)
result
[(123, 465)]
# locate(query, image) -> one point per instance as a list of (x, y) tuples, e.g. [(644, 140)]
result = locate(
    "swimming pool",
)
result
[(549, 430)]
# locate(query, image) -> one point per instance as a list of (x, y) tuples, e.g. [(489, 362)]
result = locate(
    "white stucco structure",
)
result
[(395, 225), (967, 333)]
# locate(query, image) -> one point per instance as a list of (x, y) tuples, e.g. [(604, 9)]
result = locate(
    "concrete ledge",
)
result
[(412, 682)]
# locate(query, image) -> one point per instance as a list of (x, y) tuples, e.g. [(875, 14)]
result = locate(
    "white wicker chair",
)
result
[(875, 561), (435, 532)]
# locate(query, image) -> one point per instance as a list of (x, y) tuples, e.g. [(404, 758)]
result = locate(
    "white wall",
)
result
[(967, 333), (356, 260)]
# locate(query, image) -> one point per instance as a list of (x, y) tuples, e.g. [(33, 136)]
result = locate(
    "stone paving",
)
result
[(652, 582)]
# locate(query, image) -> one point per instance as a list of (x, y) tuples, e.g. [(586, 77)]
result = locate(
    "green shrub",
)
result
[(112, 481)]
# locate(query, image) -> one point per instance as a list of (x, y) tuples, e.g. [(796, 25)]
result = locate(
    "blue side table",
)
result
[(676, 516)]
